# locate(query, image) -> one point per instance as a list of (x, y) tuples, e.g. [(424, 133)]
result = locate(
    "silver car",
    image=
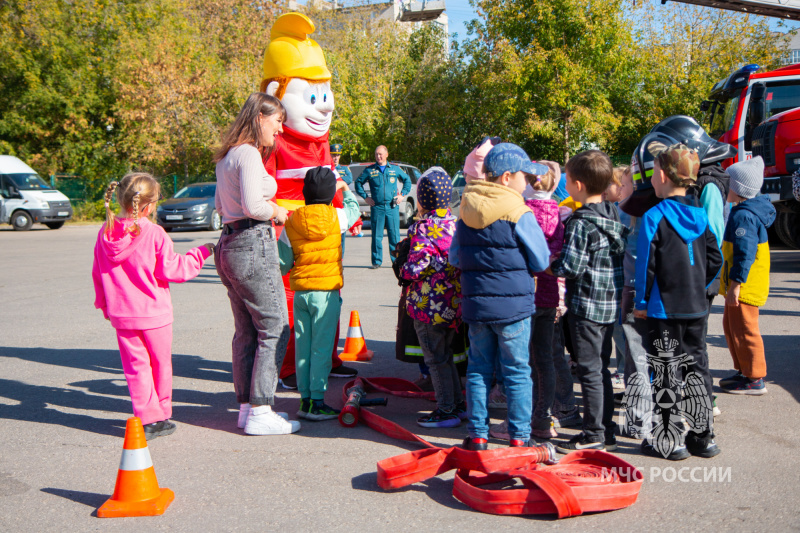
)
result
[(408, 207)]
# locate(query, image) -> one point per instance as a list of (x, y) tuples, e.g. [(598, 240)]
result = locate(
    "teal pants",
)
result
[(316, 314), (380, 216)]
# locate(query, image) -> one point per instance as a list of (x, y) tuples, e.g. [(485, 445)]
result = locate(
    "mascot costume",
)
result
[(295, 72)]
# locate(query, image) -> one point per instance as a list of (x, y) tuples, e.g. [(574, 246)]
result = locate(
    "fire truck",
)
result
[(759, 114)]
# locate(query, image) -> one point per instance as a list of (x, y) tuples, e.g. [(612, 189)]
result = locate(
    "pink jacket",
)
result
[(132, 274), (546, 213)]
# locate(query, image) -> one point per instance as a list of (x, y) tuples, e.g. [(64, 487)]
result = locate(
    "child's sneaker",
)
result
[(618, 381), (159, 429), (439, 419), (499, 431), (716, 411), (305, 407), (735, 379), (497, 398), (567, 420), (475, 445), (751, 387), (461, 410), (264, 421), (702, 446), (678, 454), (544, 433), (580, 441), (320, 411), (610, 444)]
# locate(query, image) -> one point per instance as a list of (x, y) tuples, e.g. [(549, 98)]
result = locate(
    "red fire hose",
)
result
[(582, 482)]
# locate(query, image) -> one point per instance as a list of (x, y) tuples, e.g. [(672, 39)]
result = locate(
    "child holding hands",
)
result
[(134, 264)]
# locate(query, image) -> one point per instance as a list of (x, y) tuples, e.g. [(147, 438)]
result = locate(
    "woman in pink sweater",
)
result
[(134, 264)]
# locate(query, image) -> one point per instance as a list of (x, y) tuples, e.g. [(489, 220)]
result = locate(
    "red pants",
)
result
[(147, 362), (744, 340)]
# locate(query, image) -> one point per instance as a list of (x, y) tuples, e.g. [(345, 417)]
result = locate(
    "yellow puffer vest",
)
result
[(316, 241), (756, 289)]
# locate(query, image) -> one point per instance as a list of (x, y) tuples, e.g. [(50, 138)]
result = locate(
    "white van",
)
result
[(26, 198)]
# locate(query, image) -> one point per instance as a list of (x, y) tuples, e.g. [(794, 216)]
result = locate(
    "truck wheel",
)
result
[(54, 225), (216, 221), (786, 226), (21, 220)]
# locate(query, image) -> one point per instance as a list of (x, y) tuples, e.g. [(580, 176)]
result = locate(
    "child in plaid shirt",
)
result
[(591, 262)]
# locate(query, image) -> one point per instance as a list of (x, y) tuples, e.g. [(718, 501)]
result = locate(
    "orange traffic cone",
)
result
[(355, 349), (136, 492)]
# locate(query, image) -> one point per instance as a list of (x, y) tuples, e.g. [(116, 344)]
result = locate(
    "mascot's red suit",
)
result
[(295, 72)]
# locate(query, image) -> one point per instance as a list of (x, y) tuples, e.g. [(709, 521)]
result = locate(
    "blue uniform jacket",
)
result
[(382, 185)]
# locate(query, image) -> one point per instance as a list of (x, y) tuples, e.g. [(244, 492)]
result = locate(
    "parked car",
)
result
[(458, 189), (408, 207), (191, 207), (25, 198)]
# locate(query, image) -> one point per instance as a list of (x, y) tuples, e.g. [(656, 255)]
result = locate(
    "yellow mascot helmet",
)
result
[(291, 53)]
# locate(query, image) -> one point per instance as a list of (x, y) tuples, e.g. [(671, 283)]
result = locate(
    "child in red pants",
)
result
[(133, 266)]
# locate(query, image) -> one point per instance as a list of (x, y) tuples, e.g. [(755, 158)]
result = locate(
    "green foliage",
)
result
[(98, 88)]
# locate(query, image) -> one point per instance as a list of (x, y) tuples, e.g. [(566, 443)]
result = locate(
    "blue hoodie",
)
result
[(678, 258)]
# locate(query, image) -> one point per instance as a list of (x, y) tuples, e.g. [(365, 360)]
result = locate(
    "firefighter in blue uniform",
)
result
[(384, 201), (344, 172)]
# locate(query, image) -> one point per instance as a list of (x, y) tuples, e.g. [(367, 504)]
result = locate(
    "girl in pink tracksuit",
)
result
[(133, 265)]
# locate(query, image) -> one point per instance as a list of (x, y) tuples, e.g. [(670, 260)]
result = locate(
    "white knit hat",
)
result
[(747, 177)]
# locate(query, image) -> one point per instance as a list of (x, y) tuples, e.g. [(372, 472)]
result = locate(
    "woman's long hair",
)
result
[(246, 128)]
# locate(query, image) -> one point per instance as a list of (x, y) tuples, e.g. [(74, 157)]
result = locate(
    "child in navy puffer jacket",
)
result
[(551, 376)]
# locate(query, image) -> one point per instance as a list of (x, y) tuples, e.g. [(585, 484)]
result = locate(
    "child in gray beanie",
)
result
[(745, 276), (747, 177)]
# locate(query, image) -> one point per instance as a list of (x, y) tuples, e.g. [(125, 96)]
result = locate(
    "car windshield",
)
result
[(724, 117), (196, 191), (28, 182)]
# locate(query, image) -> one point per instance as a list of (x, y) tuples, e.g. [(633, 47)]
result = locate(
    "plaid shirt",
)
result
[(591, 262)]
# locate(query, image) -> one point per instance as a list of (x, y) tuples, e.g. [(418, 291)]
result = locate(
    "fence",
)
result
[(77, 188)]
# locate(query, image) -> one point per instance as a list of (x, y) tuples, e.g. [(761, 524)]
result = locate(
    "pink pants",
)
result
[(147, 362)]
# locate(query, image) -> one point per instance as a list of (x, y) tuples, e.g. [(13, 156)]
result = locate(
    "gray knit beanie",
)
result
[(747, 177)]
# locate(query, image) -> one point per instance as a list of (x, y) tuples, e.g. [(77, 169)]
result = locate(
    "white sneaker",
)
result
[(264, 421), (244, 412)]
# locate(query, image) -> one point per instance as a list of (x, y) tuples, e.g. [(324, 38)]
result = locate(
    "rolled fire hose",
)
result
[(581, 482)]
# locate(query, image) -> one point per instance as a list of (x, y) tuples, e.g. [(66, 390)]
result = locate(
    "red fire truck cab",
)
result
[(759, 114)]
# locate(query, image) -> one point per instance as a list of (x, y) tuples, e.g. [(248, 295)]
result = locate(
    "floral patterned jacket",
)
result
[(434, 297)]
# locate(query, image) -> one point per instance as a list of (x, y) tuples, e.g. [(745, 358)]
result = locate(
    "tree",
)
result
[(563, 58)]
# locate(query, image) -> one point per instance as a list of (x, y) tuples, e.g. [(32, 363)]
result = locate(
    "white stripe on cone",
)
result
[(135, 459), (354, 332)]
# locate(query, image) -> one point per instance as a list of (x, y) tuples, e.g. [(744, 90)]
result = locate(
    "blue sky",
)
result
[(458, 13)]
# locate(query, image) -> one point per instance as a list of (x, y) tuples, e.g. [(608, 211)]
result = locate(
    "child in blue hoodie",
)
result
[(498, 246), (677, 259)]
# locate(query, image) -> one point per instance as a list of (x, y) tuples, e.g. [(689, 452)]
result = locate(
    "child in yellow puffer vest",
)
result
[(311, 248)]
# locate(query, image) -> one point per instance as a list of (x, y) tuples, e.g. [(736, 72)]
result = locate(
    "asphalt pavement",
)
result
[(64, 403)]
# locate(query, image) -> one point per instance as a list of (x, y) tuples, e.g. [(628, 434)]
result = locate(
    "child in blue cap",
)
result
[(499, 246)]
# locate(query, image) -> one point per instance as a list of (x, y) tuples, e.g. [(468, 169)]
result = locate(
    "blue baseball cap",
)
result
[(508, 157)]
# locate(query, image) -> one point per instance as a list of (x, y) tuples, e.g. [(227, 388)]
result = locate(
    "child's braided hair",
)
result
[(134, 191)]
